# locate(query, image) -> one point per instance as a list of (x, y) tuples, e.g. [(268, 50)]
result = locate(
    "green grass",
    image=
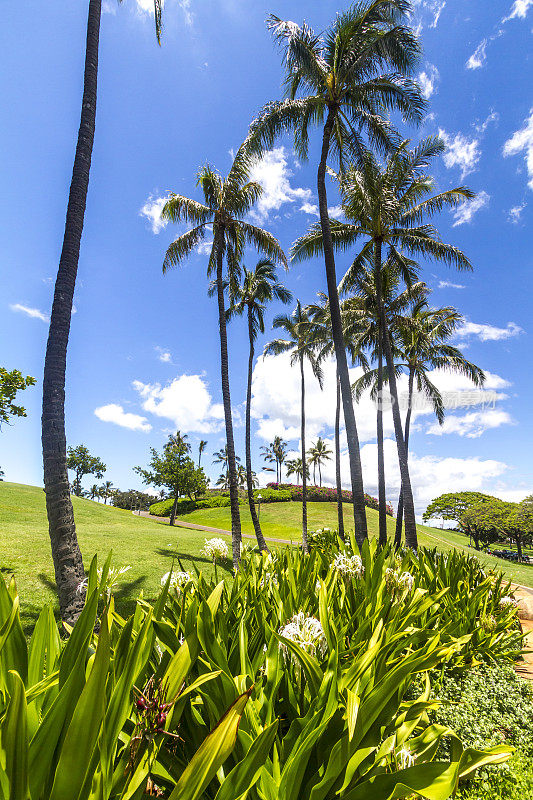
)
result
[(148, 547)]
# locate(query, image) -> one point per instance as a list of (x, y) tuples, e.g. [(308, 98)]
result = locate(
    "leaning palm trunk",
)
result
[(382, 512), (66, 554), (305, 544), (399, 513), (409, 507), (226, 399), (249, 482), (338, 482), (356, 473)]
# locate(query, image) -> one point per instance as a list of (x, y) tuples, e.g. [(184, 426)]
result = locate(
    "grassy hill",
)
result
[(149, 547)]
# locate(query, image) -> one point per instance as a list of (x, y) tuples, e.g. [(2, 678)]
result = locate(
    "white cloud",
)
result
[(519, 9), (492, 117), (472, 425), (163, 355), (109, 7), (185, 6), (336, 212), (204, 248), (460, 152), (152, 211), (428, 80), (30, 312), (309, 208), (429, 10), (116, 414), (449, 285), (465, 212), (488, 333), (273, 173), (515, 214), (186, 401), (478, 57), (522, 140)]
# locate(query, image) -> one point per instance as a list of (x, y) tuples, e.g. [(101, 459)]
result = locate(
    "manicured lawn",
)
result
[(146, 546)]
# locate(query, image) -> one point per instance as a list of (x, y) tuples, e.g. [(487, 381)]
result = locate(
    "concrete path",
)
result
[(219, 531)]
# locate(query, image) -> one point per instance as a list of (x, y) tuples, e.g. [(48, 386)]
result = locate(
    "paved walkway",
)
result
[(178, 523)]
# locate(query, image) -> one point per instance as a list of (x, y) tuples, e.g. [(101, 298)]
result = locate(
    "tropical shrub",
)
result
[(164, 508), (324, 494), (271, 495), (489, 705)]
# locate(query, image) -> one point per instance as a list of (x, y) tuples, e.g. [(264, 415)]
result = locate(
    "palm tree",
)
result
[(66, 554), (334, 80), (395, 303), (94, 491), (106, 490), (222, 457), (267, 454), (201, 448), (318, 453), (323, 335), (299, 344), (294, 467), (422, 341), (386, 204), (226, 203), (257, 288)]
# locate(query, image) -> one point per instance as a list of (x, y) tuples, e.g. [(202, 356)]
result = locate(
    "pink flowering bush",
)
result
[(321, 494)]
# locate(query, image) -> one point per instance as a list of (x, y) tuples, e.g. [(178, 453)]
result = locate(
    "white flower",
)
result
[(317, 585), (508, 602), (348, 566), (177, 580), (405, 758), (113, 577), (215, 548), (307, 633), (268, 580), (82, 585), (399, 581)]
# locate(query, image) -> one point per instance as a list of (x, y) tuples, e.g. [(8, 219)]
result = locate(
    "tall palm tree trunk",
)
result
[(226, 399), (409, 507), (174, 508), (249, 482), (382, 511), (305, 543), (356, 473), (66, 554), (399, 513), (338, 482)]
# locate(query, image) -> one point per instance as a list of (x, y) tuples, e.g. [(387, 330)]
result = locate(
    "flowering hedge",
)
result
[(323, 494)]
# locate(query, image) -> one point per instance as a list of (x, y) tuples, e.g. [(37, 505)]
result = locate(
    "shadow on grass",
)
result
[(182, 557)]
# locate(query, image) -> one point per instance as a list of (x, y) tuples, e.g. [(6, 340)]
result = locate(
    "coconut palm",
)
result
[(106, 490), (222, 457), (226, 203), (94, 492), (257, 288), (66, 554), (396, 302), (423, 344), (323, 334), (344, 80), (267, 454), (201, 448), (319, 452), (387, 205), (299, 344), (294, 467)]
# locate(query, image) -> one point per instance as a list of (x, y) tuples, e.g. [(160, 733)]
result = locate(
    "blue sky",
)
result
[(143, 352)]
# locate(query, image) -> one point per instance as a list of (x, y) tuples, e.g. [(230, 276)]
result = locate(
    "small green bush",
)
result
[(164, 508), (273, 495)]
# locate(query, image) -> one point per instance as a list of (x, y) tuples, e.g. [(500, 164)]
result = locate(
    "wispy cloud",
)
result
[(35, 313), (152, 211), (519, 10), (514, 214), (272, 171), (479, 56), (465, 212), (116, 414), (488, 333), (473, 424), (163, 355), (522, 141), (428, 80), (460, 152), (492, 117), (449, 285)]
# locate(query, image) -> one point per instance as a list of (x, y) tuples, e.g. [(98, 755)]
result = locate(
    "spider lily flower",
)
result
[(348, 566), (215, 548), (307, 633), (177, 580)]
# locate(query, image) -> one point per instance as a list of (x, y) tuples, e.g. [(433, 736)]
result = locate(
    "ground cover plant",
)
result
[(288, 681)]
